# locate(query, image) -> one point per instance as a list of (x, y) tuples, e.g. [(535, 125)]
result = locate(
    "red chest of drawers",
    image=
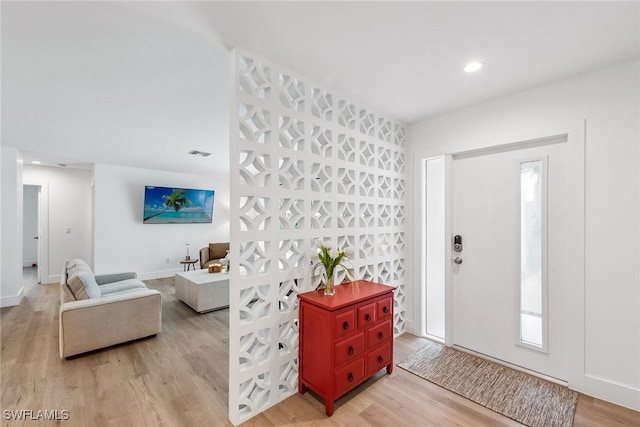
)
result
[(345, 338)]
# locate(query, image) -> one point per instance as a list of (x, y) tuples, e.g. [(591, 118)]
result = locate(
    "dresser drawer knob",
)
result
[(368, 317), (345, 325), (350, 350), (380, 335), (350, 377), (380, 359), (385, 309)]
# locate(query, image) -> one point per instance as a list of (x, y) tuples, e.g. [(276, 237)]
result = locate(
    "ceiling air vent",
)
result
[(199, 153)]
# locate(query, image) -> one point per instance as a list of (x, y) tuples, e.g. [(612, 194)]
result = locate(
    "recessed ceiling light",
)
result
[(36, 162), (472, 67)]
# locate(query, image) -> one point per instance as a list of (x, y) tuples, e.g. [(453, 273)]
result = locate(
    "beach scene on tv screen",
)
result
[(167, 205)]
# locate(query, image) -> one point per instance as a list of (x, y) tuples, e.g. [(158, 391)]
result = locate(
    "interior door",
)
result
[(39, 237), (509, 209)]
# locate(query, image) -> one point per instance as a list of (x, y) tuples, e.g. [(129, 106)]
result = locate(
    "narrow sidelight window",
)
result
[(435, 243), (533, 292)]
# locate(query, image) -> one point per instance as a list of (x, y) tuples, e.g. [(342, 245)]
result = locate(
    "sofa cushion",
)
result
[(218, 250), (77, 262), (76, 265), (65, 293), (122, 285), (83, 285)]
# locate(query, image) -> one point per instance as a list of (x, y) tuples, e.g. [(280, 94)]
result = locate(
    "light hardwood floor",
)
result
[(180, 378)]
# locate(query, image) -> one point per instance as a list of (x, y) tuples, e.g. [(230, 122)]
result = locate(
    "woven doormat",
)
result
[(524, 398)]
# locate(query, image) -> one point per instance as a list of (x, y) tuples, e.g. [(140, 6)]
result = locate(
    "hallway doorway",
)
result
[(31, 234)]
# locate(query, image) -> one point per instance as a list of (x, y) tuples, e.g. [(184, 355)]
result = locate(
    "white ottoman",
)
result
[(203, 291)]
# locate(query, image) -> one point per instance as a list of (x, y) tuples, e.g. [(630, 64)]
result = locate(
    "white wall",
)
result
[(11, 289), (1, 227), (29, 225), (124, 243), (609, 101), (67, 210)]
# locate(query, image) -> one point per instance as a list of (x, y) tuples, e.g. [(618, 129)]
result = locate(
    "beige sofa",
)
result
[(98, 311)]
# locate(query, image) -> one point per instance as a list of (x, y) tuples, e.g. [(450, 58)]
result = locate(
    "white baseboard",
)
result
[(28, 262), (51, 279), (409, 327), (12, 300), (611, 391)]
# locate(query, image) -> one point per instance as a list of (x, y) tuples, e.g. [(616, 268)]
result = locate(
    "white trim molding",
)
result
[(11, 300)]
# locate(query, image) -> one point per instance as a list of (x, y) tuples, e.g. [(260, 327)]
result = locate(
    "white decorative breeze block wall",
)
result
[(305, 164)]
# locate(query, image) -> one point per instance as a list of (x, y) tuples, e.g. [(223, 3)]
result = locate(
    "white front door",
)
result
[(509, 291)]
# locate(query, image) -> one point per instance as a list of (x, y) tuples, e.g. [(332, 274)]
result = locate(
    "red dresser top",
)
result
[(346, 294)]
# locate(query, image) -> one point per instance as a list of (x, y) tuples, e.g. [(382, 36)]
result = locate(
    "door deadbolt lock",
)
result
[(457, 243)]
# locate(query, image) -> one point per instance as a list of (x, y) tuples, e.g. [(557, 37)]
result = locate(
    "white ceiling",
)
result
[(142, 83)]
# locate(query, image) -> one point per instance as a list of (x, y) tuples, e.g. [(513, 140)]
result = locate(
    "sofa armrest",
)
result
[(101, 279), (91, 324), (204, 256)]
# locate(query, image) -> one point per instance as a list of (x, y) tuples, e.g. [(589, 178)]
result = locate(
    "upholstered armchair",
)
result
[(213, 253)]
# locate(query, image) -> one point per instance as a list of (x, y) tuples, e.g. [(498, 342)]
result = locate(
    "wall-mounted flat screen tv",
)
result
[(169, 205)]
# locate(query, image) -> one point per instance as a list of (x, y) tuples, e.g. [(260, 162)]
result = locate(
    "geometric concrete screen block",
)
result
[(306, 164)]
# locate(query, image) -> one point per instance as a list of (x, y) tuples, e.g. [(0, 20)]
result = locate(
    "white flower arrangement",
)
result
[(330, 258), (225, 262)]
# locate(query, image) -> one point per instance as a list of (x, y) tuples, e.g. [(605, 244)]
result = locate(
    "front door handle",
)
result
[(457, 260)]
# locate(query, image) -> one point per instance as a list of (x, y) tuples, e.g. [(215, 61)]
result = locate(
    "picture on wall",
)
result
[(170, 205)]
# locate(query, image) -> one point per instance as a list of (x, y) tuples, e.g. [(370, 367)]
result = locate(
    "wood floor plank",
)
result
[(180, 378)]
